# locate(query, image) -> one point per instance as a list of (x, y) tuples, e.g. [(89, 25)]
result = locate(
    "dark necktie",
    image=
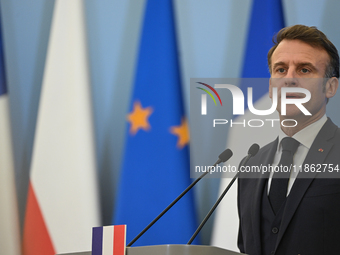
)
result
[(279, 184)]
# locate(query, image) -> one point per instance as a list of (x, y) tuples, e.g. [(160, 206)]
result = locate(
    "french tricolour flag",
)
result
[(109, 240)]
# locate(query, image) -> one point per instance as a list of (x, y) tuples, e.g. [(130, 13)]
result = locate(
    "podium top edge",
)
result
[(171, 249)]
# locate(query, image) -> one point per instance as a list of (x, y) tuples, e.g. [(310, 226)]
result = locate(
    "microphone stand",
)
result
[(252, 152), (212, 210), (166, 209), (222, 158)]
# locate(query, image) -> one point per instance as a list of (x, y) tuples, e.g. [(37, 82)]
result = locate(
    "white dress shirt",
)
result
[(305, 137)]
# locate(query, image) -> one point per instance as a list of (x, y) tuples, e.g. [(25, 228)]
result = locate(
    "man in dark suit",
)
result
[(298, 213)]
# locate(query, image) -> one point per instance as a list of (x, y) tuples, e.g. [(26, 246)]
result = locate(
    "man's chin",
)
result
[(292, 112), (298, 119)]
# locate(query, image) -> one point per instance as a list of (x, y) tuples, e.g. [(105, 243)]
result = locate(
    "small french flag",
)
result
[(109, 240)]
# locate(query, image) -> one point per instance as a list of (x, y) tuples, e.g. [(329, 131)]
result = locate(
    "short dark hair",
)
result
[(313, 37)]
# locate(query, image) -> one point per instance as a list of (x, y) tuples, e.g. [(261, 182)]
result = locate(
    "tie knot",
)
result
[(289, 144)]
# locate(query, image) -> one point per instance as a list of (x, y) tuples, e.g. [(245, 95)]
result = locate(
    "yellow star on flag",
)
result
[(182, 131), (138, 118)]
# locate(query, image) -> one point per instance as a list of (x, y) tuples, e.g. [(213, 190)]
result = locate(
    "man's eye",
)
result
[(304, 70), (280, 70)]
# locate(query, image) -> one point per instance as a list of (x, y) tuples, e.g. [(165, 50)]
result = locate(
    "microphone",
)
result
[(251, 153), (223, 157)]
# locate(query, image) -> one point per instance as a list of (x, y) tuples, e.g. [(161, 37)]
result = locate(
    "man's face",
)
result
[(297, 64)]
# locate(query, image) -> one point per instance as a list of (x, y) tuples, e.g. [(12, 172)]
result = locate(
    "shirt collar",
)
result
[(307, 135)]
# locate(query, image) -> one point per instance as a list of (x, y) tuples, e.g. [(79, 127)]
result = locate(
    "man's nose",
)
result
[(291, 78)]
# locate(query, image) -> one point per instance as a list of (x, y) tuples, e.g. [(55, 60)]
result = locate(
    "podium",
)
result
[(170, 250)]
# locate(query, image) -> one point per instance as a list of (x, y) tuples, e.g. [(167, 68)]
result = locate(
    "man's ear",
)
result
[(331, 87)]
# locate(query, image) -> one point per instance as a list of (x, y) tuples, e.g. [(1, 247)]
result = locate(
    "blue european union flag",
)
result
[(156, 163)]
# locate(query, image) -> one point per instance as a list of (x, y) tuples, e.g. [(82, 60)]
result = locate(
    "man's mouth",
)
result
[(295, 96)]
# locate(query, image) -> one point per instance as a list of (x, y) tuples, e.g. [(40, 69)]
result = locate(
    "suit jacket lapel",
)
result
[(304, 179), (266, 158)]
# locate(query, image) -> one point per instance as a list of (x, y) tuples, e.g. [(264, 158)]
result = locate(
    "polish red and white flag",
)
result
[(62, 203)]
